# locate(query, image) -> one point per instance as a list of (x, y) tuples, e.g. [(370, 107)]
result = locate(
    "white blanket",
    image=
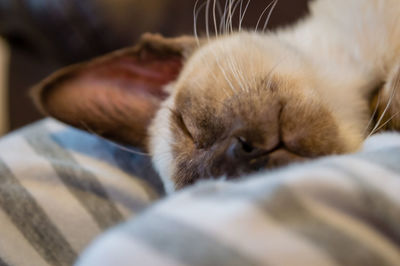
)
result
[(342, 210), (60, 187)]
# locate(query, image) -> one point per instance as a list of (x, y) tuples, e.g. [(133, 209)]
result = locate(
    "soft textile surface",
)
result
[(60, 188), (336, 211)]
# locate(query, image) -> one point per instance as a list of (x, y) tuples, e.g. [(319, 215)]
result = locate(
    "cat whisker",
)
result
[(270, 75), (269, 15), (371, 120), (390, 119), (228, 25), (235, 9), (223, 19), (119, 146), (196, 10), (215, 18), (235, 72), (213, 74), (226, 77), (223, 71), (392, 95), (199, 86), (207, 15), (240, 14), (230, 10), (263, 13), (243, 15), (219, 8), (232, 14)]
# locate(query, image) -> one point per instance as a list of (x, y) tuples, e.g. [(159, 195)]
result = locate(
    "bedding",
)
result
[(342, 210), (60, 188)]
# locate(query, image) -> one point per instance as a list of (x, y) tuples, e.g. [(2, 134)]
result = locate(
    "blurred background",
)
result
[(40, 36)]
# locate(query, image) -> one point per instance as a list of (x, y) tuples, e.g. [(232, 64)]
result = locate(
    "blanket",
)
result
[(60, 188), (342, 210)]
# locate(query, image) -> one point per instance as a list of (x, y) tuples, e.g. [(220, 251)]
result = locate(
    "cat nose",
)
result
[(243, 150)]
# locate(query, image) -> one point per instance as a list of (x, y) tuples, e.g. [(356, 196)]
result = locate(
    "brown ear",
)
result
[(116, 95), (387, 103)]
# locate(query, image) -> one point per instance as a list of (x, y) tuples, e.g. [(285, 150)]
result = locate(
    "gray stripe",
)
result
[(81, 183), (184, 243), (379, 211), (32, 221), (3, 263), (285, 207)]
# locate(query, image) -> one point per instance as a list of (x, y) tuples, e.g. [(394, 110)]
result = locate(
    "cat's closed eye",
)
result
[(179, 121)]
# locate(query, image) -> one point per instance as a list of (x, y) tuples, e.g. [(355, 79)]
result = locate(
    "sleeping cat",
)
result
[(242, 101)]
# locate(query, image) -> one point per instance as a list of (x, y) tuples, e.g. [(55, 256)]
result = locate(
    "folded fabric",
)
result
[(61, 187), (341, 210)]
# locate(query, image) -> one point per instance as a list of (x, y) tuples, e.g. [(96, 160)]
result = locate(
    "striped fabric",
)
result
[(60, 188), (342, 210)]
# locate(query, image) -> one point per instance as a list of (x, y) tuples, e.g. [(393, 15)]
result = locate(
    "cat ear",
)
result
[(116, 95), (387, 103)]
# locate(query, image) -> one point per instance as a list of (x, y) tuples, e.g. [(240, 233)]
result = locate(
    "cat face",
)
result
[(221, 108), (234, 111)]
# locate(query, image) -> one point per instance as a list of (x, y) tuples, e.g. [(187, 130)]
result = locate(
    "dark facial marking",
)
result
[(264, 128)]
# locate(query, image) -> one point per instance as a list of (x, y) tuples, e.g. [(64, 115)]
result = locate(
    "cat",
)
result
[(242, 101)]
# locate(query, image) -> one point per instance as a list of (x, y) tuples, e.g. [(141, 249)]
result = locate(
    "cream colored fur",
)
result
[(337, 55)]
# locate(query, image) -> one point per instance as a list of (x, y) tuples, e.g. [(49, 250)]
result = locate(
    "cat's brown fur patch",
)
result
[(275, 118)]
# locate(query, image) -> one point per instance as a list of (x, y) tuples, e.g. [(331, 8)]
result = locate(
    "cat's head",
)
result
[(204, 108)]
